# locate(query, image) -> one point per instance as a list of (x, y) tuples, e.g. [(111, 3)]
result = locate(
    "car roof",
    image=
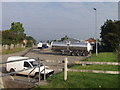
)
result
[(12, 58)]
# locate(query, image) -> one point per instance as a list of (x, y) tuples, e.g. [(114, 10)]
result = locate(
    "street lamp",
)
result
[(96, 30)]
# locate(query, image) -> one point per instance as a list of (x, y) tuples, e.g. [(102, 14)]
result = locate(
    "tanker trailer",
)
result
[(73, 49), (58, 46), (80, 49)]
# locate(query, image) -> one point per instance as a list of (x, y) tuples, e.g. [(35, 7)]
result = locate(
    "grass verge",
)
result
[(83, 80), (96, 67), (104, 57), (12, 50)]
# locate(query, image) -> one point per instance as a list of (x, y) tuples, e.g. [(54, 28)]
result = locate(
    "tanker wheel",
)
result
[(77, 54), (80, 54), (72, 54), (83, 54), (86, 54)]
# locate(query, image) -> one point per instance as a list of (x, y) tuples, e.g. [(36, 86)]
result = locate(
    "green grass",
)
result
[(104, 57), (88, 80), (83, 80), (12, 50), (97, 67)]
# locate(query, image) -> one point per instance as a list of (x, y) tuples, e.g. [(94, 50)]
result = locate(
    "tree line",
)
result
[(16, 35), (110, 35)]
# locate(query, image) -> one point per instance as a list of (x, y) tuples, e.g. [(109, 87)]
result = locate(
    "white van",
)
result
[(27, 63), (39, 45)]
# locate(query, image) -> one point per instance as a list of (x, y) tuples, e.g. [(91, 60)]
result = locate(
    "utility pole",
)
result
[(96, 30)]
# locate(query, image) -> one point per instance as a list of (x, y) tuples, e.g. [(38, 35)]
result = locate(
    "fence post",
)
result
[(44, 73), (65, 68), (39, 71)]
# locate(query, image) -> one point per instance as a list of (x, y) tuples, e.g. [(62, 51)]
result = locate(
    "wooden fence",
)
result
[(85, 63), (67, 63)]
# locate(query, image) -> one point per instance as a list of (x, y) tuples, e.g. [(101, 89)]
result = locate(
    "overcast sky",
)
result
[(53, 20)]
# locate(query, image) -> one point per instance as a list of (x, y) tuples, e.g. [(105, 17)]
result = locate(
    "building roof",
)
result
[(72, 40), (91, 40)]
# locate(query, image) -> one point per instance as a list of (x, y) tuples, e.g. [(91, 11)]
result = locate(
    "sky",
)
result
[(59, 0), (53, 20)]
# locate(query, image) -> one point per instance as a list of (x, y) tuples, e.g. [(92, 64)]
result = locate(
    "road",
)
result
[(43, 55)]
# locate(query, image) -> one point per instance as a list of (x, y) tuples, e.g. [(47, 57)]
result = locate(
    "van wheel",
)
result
[(12, 70), (37, 76)]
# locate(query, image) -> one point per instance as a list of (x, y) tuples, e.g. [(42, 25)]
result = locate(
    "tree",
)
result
[(64, 38), (17, 27), (110, 34), (16, 35), (8, 37), (30, 40)]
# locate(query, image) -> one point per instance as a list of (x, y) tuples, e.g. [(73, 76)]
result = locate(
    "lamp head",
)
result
[(94, 8)]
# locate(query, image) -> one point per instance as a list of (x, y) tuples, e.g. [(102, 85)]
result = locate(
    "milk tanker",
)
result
[(74, 49)]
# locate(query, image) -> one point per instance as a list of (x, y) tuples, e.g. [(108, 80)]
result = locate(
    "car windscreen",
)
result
[(34, 63)]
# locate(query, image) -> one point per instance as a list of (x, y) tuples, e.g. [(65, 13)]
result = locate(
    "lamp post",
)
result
[(96, 30)]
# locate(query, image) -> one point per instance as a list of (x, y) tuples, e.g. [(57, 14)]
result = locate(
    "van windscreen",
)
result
[(34, 63)]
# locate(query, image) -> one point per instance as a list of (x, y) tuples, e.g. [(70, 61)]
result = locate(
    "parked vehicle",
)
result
[(39, 45), (76, 48), (22, 63), (45, 45)]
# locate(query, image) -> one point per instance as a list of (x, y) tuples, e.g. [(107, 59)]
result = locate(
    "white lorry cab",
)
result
[(18, 63)]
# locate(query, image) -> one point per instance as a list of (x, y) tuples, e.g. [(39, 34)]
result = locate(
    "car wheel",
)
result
[(12, 70), (37, 76)]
